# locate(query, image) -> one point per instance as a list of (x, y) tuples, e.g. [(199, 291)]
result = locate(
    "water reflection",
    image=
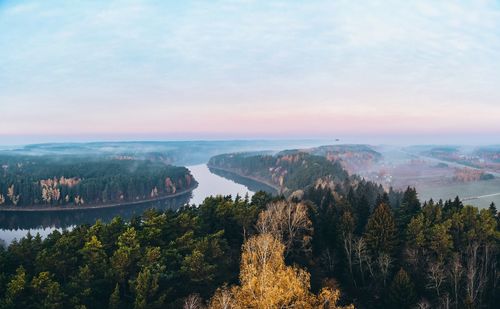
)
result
[(252, 185), (63, 219), (214, 182), (14, 225), (211, 182)]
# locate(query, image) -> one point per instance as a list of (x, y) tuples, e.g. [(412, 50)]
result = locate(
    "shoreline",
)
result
[(93, 207), (273, 186)]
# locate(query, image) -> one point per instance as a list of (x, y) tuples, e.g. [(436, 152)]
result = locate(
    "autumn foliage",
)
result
[(266, 282)]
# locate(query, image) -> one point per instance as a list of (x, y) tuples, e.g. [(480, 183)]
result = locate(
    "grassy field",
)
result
[(464, 191)]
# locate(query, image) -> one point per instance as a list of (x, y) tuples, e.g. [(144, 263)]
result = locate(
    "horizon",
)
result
[(319, 141), (250, 69)]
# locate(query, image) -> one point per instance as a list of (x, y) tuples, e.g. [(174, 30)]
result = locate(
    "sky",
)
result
[(417, 71)]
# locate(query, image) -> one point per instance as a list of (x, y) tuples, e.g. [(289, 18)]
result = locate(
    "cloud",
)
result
[(196, 57)]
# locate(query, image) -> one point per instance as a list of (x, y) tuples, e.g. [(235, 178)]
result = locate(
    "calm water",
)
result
[(212, 184), (16, 225)]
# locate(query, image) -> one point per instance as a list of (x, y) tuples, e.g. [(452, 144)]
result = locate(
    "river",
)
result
[(18, 224)]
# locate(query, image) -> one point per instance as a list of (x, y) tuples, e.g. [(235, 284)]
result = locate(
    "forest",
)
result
[(43, 181), (288, 171), (337, 242)]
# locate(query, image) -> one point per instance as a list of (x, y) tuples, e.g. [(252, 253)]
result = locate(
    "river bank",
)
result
[(93, 207), (16, 224), (264, 182)]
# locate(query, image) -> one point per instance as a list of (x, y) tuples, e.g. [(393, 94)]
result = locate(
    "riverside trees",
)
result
[(45, 181)]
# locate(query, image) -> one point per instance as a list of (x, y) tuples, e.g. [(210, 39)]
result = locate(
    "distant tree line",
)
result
[(289, 172), (61, 181)]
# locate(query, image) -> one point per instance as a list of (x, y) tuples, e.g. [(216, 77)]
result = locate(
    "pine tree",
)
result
[(383, 199), (114, 299), (125, 257), (401, 292), (363, 213), (381, 231), (16, 289), (46, 291), (453, 206), (145, 287), (410, 205), (82, 284), (95, 256), (493, 209)]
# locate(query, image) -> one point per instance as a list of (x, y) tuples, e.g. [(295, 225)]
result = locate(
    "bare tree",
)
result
[(455, 274), (445, 301), (423, 304), (347, 229), (384, 263), (436, 276), (349, 250), (289, 223), (473, 282), (486, 268), (222, 299), (494, 275), (328, 259), (362, 257), (193, 301)]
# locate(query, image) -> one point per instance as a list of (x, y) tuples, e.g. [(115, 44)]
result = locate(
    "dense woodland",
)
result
[(76, 181), (337, 242), (289, 172)]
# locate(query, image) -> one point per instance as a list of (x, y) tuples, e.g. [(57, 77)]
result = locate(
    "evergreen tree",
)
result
[(493, 209), (125, 257), (454, 206), (363, 213), (380, 231), (383, 199), (410, 205), (402, 293), (95, 256), (115, 298), (144, 288), (46, 292), (80, 286), (16, 294)]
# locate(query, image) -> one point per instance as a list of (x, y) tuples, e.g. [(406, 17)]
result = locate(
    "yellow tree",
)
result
[(11, 194), (266, 282)]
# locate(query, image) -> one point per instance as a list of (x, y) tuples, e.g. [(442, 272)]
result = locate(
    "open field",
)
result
[(478, 193), (432, 176)]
